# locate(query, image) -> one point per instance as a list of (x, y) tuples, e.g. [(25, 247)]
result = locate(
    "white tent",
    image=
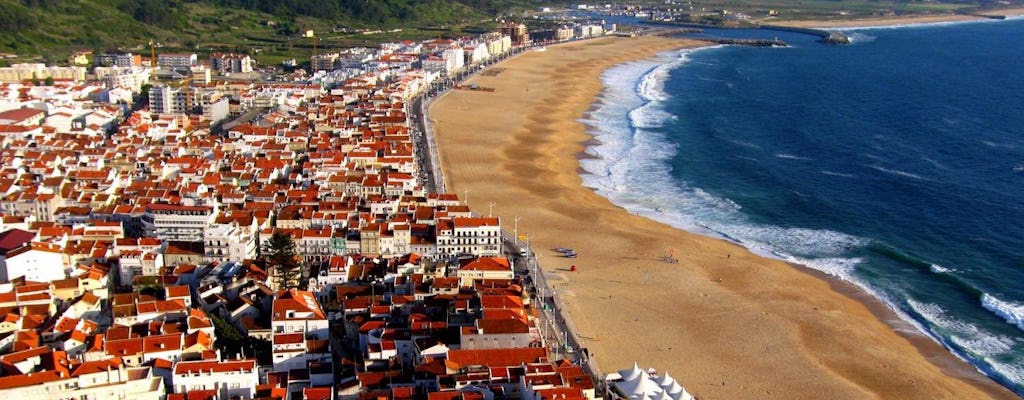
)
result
[(637, 384)]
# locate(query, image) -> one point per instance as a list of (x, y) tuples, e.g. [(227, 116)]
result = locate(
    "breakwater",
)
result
[(829, 37), (751, 42)]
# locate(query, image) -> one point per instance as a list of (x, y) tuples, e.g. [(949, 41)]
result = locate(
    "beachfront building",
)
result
[(517, 31), (479, 236), (637, 384), (484, 269)]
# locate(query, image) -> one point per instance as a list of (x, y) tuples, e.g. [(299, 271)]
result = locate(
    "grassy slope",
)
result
[(65, 26)]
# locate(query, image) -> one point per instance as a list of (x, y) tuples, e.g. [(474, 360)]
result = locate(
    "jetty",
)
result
[(751, 42), (829, 37)]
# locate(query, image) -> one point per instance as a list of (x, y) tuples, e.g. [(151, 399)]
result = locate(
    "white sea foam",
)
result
[(790, 156), (859, 37), (1012, 312), (899, 172), (992, 349), (837, 174), (632, 171), (938, 269)]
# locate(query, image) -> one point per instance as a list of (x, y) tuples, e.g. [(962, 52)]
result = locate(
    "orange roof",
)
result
[(498, 357), (485, 264)]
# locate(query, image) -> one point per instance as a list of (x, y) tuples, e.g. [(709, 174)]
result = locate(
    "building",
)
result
[(517, 31), (89, 380), (27, 72), (22, 117), (230, 378), (36, 261), (117, 60), (170, 222), (230, 242), (226, 63), (479, 236), (323, 62), (483, 268), (299, 331), (164, 99), (176, 60)]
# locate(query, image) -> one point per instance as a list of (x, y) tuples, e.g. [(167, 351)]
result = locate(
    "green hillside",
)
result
[(52, 29)]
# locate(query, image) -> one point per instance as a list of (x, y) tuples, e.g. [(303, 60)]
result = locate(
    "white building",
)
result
[(230, 242), (454, 59), (477, 53), (85, 382), (164, 99), (299, 331), (479, 236), (36, 261), (230, 378), (176, 60), (177, 223), (127, 78)]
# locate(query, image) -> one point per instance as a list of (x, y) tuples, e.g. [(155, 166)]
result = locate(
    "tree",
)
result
[(283, 259)]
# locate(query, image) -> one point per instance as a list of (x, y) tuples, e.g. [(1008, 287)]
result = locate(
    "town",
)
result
[(184, 228)]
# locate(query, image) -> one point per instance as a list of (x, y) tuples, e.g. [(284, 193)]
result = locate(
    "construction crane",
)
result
[(152, 53)]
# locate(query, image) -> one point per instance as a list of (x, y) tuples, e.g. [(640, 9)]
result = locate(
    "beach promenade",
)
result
[(726, 323)]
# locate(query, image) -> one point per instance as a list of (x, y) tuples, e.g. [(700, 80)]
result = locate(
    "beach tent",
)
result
[(637, 384)]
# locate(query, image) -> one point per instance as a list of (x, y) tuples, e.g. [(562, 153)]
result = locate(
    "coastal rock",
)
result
[(835, 38)]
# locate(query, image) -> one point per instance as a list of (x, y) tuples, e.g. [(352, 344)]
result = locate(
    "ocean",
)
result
[(895, 163)]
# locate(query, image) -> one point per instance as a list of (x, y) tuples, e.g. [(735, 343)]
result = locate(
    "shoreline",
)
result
[(897, 21), (813, 340), (945, 358)]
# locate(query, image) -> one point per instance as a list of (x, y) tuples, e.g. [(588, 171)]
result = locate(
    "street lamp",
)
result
[(515, 231)]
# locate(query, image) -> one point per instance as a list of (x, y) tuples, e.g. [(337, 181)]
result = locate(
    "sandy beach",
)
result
[(724, 322), (894, 20)]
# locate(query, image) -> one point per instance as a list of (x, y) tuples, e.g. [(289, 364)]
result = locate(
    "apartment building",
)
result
[(171, 222), (176, 60), (226, 63), (479, 236)]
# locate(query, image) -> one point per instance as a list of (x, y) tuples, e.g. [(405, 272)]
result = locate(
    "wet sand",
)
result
[(724, 322)]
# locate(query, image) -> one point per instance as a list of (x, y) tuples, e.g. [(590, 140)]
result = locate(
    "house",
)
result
[(27, 117), (300, 331), (482, 268)]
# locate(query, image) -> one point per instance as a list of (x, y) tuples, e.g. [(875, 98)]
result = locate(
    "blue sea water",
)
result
[(896, 163)]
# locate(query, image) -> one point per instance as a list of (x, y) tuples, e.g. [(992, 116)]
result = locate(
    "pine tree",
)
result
[(283, 259)]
